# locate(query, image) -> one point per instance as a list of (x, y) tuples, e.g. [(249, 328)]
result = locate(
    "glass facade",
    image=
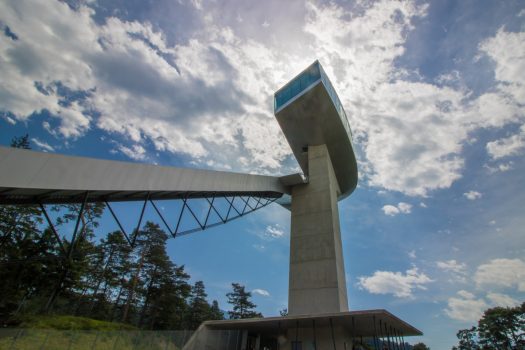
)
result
[(309, 77)]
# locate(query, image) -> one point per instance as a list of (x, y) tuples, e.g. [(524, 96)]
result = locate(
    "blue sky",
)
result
[(434, 92)]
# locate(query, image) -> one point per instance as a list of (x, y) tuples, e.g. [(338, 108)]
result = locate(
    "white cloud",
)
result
[(452, 266), (209, 97), (502, 167), (390, 210), (412, 254), (136, 152), (468, 308), (401, 208), (466, 295), (262, 292), (512, 145), (465, 307), (422, 205), (43, 145), (508, 53), (503, 300), (273, 231), (501, 273), (396, 283), (404, 208), (472, 195)]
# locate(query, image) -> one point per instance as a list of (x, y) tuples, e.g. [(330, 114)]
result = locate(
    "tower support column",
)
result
[(317, 281)]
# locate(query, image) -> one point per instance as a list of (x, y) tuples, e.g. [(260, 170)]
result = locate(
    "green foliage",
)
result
[(498, 328), (105, 280), (64, 322), (21, 142), (30, 339), (242, 306), (420, 346)]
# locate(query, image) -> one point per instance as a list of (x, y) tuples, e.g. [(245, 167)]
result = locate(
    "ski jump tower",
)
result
[(315, 124)]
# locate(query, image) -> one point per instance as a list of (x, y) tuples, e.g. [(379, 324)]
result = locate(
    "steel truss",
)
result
[(238, 205)]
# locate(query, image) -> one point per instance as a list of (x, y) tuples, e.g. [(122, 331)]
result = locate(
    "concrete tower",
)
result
[(315, 124)]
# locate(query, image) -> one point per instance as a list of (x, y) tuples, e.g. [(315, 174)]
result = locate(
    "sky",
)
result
[(435, 96)]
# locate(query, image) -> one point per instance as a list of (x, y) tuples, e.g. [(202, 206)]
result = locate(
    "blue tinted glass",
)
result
[(309, 76), (297, 85)]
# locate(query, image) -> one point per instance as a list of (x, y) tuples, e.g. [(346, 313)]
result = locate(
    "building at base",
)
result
[(377, 329)]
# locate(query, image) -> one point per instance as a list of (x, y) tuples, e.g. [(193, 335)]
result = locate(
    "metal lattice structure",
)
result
[(237, 207), (41, 179)]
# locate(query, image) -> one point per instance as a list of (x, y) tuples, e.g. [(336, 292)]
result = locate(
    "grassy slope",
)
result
[(79, 333), (71, 323)]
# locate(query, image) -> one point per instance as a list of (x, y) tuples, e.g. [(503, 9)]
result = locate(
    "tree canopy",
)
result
[(242, 306), (498, 328), (96, 275)]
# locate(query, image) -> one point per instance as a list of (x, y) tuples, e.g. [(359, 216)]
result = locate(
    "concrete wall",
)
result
[(317, 277)]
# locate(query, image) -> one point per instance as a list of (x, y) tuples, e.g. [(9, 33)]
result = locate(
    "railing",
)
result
[(42, 339)]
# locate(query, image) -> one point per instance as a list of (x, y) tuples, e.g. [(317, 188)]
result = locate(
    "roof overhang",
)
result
[(364, 323)]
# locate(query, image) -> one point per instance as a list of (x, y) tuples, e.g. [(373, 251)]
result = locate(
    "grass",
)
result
[(61, 322), (81, 333)]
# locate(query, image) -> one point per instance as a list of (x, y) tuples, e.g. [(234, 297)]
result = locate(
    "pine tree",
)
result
[(242, 306), (21, 142), (198, 309), (215, 311), (162, 287)]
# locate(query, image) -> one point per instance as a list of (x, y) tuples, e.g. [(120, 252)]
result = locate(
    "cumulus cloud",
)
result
[(503, 300), (472, 195), (502, 167), (401, 208), (457, 271), (507, 52), (390, 210), (261, 292), (273, 231), (406, 127), (209, 97), (465, 307), (401, 285), (135, 152), (452, 266), (512, 145), (501, 273), (46, 147)]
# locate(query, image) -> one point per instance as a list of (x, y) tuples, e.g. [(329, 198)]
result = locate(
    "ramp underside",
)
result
[(29, 177)]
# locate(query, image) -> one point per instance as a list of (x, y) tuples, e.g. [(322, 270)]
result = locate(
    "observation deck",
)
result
[(311, 114)]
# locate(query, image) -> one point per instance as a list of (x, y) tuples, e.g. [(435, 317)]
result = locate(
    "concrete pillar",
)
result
[(317, 276)]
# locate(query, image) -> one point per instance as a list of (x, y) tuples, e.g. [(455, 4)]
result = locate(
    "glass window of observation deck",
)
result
[(297, 85)]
